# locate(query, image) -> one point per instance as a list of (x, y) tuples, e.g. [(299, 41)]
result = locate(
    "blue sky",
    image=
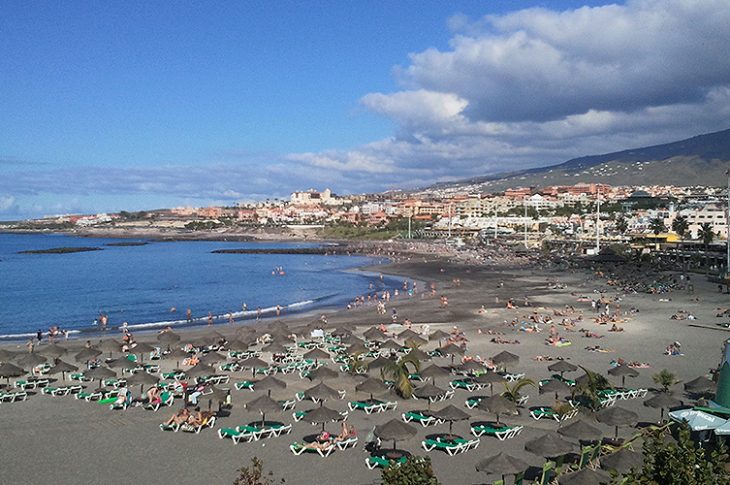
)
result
[(132, 105)]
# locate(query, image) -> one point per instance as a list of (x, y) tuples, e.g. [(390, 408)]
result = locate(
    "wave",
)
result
[(19, 336)]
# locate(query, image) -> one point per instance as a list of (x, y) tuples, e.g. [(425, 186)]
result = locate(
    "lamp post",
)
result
[(598, 218)]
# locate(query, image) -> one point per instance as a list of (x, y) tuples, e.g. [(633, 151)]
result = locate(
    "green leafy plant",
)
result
[(512, 391), (587, 391), (683, 462), (254, 475), (398, 371), (657, 226), (665, 379), (416, 471), (680, 225), (707, 236)]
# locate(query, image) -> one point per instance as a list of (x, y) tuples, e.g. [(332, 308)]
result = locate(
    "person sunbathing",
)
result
[(614, 328), (196, 419), (179, 417), (153, 395)]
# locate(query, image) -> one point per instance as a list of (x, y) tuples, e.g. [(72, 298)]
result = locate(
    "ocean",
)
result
[(141, 285)]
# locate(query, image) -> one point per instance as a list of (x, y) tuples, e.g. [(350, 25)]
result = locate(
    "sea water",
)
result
[(153, 285)]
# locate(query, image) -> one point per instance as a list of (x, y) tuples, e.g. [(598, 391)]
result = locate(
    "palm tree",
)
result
[(657, 225), (680, 226), (399, 371), (706, 235), (622, 225), (588, 390), (665, 379), (356, 365), (512, 392)]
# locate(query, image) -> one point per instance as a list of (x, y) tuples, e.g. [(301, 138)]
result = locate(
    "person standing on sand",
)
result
[(210, 318), (278, 310), (189, 315), (230, 318), (258, 313), (29, 345)]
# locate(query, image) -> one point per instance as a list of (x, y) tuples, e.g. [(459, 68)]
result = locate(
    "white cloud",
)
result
[(539, 86)]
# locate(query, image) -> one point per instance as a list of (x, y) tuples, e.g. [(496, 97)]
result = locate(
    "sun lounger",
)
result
[(244, 385), (512, 377), (502, 432), (473, 402), (287, 404), (62, 391), (465, 384), (466, 444), (166, 399), (382, 462), (170, 427), (450, 447), (240, 433), (208, 422), (90, 396), (173, 375), (277, 430), (31, 384), (424, 420), (79, 376), (548, 412), (13, 396), (346, 443), (372, 406), (299, 448)]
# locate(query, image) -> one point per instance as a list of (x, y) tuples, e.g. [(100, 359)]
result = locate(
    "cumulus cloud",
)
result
[(539, 86)]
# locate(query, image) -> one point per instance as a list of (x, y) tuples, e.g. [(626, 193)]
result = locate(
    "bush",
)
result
[(254, 475), (416, 471)]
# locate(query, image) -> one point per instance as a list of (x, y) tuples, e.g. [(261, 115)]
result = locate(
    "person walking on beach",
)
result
[(230, 318), (39, 335), (210, 318), (278, 310), (189, 315)]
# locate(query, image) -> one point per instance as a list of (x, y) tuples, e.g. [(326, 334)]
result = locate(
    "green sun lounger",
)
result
[(450, 447), (382, 462), (501, 433), (420, 418)]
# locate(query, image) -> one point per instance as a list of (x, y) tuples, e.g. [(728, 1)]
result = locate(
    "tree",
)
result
[(512, 392), (706, 235), (665, 379), (683, 462), (416, 471), (398, 371), (622, 225), (588, 389), (657, 226), (254, 475), (680, 225)]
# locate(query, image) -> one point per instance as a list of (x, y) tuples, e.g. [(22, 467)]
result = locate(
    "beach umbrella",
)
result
[(322, 373), (253, 363), (617, 416), (321, 392), (586, 476), (582, 431), (391, 345), (122, 363), (379, 363), (490, 378), (451, 349), (357, 348), (699, 385), (141, 349), (168, 338), (428, 391), (549, 445), (142, 379), (451, 413), (237, 345), (275, 348), (178, 355), (505, 359), (419, 354), (53, 350), (351, 340), (433, 371), (372, 386), (323, 415), (623, 371), (497, 405), (211, 358), (87, 354), (109, 345), (341, 332), (408, 334), (31, 361), (7, 355), (8, 370), (439, 335), (622, 461), (395, 430), (213, 393), (472, 367), (269, 383), (100, 373), (200, 370), (562, 366), (373, 334), (316, 355), (502, 464), (662, 400), (62, 367), (697, 420), (556, 386), (264, 404)]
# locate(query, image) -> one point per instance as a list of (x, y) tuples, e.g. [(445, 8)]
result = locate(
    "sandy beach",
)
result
[(68, 441)]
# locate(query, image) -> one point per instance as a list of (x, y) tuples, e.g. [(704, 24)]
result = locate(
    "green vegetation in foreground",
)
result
[(60, 250), (416, 471), (254, 475)]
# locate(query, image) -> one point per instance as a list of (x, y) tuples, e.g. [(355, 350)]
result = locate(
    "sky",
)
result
[(108, 106)]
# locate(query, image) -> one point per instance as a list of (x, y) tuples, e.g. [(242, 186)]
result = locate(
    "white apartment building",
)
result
[(712, 213)]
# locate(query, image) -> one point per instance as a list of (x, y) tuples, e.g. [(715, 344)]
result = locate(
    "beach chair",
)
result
[(390, 405), (368, 407), (13, 396), (170, 427), (501, 433), (540, 412), (373, 462), (473, 402), (465, 384), (166, 399), (299, 448), (208, 422), (90, 396), (244, 385), (548, 473), (424, 420), (287, 404), (240, 433), (56, 391), (450, 447), (277, 430), (466, 444), (79, 376), (346, 443)]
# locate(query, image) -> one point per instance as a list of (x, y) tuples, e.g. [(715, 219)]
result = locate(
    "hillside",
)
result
[(700, 160)]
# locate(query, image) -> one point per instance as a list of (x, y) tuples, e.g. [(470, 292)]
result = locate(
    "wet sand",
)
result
[(66, 441)]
